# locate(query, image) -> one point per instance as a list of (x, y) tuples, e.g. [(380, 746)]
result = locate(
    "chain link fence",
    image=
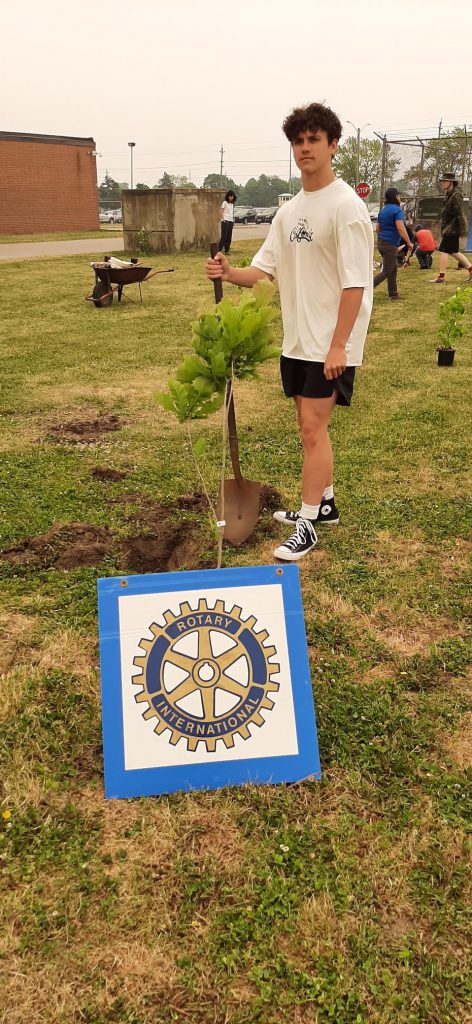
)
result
[(415, 165)]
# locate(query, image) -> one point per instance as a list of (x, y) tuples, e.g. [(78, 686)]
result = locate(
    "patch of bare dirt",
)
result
[(103, 473), (196, 502), (159, 543), (64, 547), (271, 500), (399, 926), (169, 548), (85, 431)]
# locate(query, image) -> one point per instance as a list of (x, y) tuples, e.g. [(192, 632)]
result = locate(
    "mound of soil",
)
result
[(162, 546), (103, 473), (167, 549), (192, 502), (270, 499), (64, 547), (85, 431)]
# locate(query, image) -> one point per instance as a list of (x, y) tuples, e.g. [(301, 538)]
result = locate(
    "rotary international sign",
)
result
[(205, 681)]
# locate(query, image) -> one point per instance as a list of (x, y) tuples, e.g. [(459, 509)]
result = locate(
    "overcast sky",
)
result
[(180, 78)]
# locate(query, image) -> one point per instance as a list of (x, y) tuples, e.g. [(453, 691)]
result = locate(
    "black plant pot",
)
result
[(446, 356)]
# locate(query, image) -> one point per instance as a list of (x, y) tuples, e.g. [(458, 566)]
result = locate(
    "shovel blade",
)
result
[(241, 509)]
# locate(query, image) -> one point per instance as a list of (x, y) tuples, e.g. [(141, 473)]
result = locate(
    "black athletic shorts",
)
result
[(306, 378), (449, 243)]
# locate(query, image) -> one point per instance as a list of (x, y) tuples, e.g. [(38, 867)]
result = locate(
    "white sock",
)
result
[(308, 511), (328, 493)]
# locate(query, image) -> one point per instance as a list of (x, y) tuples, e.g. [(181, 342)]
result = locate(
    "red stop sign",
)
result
[(363, 189)]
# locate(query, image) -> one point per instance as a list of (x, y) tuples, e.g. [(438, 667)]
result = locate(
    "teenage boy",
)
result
[(320, 251)]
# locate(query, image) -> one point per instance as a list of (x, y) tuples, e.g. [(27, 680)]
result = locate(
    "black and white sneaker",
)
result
[(327, 516), (302, 540), (287, 517)]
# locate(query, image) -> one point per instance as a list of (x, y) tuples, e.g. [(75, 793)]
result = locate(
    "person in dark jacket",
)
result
[(453, 225), (391, 232)]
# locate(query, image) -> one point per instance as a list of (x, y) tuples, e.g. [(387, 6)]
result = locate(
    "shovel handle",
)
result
[(233, 439), (232, 431), (217, 283)]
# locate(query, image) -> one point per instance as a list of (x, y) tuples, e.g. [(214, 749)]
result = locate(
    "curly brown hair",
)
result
[(314, 117)]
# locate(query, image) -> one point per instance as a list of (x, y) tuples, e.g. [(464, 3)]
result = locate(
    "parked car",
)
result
[(110, 217), (266, 214), (244, 215)]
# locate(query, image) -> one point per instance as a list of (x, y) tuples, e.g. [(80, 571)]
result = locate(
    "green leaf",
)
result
[(207, 408), (219, 364), (191, 368), (199, 447)]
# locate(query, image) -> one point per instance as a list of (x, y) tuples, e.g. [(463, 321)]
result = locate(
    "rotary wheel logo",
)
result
[(206, 675)]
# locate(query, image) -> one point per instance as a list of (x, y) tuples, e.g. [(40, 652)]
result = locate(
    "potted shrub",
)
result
[(451, 314)]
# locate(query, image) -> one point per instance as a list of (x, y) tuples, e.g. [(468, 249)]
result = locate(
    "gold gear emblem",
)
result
[(217, 690)]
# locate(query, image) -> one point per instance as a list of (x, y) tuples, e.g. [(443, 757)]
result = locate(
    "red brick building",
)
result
[(47, 183)]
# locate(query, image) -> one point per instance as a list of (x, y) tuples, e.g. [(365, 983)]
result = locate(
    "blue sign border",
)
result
[(122, 782)]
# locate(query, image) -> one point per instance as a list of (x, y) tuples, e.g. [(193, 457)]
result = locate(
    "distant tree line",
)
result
[(110, 190), (262, 191)]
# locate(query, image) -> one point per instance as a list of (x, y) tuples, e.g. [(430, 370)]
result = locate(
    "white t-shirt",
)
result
[(320, 243), (228, 210)]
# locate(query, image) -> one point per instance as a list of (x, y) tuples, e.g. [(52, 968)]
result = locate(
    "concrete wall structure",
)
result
[(175, 220), (47, 183)]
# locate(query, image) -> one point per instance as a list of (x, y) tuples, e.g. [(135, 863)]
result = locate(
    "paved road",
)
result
[(35, 250), (246, 231)]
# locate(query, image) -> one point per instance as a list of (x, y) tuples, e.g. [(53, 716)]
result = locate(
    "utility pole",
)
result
[(221, 166), (358, 146), (464, 158), (131, 147), (439, 147)]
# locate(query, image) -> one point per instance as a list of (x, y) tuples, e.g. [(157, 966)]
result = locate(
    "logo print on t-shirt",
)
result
[(302, 233)]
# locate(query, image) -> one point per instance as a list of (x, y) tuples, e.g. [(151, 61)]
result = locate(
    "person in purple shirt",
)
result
[(391, 232)]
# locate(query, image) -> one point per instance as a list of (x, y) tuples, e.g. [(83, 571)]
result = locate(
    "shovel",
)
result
[(239, 503)]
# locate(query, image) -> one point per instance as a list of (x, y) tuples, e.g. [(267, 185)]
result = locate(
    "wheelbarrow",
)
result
[(110, 279)]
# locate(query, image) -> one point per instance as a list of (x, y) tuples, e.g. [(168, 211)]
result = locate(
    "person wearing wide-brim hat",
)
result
[(453, 225)]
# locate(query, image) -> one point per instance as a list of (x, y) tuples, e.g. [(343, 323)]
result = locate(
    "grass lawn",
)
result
[(60, 236), (340, 902)]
